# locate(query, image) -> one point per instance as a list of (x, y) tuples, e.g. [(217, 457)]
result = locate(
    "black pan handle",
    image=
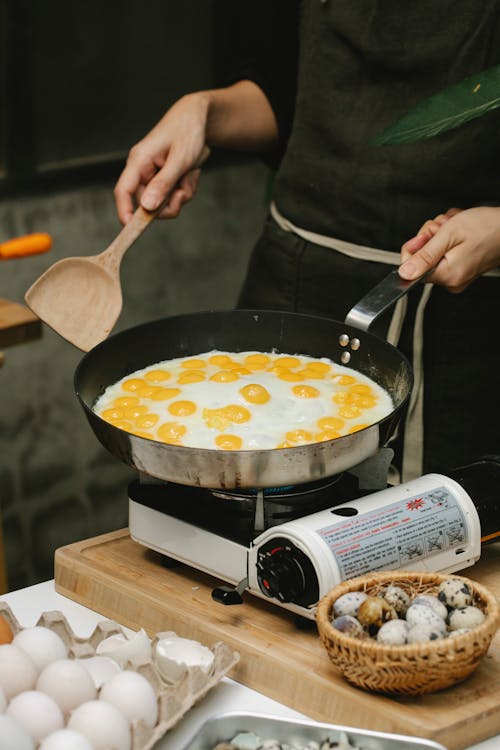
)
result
[(385, 294)]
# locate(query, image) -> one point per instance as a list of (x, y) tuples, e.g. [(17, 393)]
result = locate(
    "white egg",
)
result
[(17, 670), (68, 683), (100, 668), (38, 713), (173, 655), (133, 695), (102, 724), (13, 736), (41, 644), (3, 701), (136, 649), (66, 739)]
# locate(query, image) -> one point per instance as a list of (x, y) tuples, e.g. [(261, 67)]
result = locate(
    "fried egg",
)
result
[(243, 401)]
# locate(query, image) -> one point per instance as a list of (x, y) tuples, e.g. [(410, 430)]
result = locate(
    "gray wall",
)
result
[(57, 484)]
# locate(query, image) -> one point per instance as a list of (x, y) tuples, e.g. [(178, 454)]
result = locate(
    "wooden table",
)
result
[(17, 325)]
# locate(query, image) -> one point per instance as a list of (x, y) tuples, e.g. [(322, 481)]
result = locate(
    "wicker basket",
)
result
[(412, 669)]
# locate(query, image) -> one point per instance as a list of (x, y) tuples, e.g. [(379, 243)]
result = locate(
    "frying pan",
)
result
[(247, 330)]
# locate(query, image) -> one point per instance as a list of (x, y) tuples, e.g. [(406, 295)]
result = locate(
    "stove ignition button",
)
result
[(285, 573)]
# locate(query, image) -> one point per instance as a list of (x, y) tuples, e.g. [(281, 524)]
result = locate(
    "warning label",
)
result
[(398, 534)]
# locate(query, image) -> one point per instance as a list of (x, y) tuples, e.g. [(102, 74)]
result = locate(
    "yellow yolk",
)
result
[(240, 371), (223, 361), (163, 394), (361, 389), (193, 376), (287, 362), (309, 374), (344, 379), (124, 401), (342, 397), (235, 413), (142, 433), (193, 364), (147, 391), (182, 408), (147, 421), (133, 384), (257, 361), (156, 376), (132, 412), (305, 391), (111, 415), (283, 373), (225, 376), (330, 424), (299, 437), (349, 411), (321, 437), (255, 394), (321, 367), (228, 442), (171, 431), (356, 428), (122, 424)]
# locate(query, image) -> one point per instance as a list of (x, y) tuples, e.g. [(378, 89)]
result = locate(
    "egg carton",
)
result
[(174, 699)]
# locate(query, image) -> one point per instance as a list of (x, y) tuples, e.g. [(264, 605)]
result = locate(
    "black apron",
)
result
[(362, 64)]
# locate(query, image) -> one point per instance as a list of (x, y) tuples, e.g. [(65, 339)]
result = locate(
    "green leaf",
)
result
[(454, 106)]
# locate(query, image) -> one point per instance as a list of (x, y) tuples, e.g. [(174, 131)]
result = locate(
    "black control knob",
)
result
[(285, 572)]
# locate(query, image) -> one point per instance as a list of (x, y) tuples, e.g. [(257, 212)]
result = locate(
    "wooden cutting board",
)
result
[(122, 580)]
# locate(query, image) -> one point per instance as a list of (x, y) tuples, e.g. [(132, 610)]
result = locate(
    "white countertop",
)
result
[(29, 603)]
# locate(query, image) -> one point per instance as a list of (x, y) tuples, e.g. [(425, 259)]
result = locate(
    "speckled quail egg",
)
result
[(459, 631), (397, 598), (434, 603), (349, 625), (422, 614), (393, 632), (425, 632), (465, 617), (348, 604), (455, 593), (373, 612)]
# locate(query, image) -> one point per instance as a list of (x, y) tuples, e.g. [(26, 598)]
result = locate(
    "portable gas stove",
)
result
[(291, 545)]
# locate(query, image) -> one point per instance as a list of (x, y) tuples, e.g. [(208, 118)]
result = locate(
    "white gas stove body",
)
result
[(428, 524)]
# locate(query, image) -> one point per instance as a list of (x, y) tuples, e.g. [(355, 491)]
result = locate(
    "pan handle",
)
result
[(385, 294)]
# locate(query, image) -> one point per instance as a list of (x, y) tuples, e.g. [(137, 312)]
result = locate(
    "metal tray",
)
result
[(226, 726)]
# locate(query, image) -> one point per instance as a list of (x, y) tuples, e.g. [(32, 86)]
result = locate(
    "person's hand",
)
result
[(460, 245), (165, 163)]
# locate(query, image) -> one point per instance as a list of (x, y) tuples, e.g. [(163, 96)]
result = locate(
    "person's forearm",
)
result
[(240, 117)]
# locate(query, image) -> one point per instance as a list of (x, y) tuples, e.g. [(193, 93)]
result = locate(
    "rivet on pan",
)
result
[(355, 344), (343, 339), (345, 357)]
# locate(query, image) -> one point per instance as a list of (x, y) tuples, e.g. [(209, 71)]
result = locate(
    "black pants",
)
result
[(461, 339)]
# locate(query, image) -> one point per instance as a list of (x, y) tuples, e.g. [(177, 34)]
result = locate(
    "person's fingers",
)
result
[(412, 245), (426, 258), (453, 212), (166, 179), (128, 186)]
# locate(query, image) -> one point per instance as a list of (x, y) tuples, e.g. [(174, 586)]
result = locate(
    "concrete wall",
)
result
[(57, 484)]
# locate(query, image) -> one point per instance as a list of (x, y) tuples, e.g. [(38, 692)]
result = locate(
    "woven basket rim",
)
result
[(373, 648)]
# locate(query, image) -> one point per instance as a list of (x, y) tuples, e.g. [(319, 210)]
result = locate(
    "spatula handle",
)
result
[(111, 258)]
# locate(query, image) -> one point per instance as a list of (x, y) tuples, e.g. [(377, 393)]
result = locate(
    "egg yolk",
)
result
[(344, 379), (240, 370), (133, 384), (356, 428), (255, 393), (147, 421), (222, 361), (125, 401), (157, 376), (309, 374), (349, 411), (361, 388), (182, 408), (122, 424), (193, 364), (147, 391), (132, 412), (236, 413), (192, 376), (171, 431), (143, 433), (288, 362), (298, 437), (330, 424), (257, 360), (228, 442), (225, 376), (163, 394), (305, 391), (111, 415), (283, 373), (321, 437), (321, 367)]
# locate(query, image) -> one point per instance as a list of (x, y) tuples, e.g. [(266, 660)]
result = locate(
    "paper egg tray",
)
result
[(174, 700)]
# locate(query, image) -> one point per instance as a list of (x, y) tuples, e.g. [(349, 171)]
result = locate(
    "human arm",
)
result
[(166, 161), (461, 245)]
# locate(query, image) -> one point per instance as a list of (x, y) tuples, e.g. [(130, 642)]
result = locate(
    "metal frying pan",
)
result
[(244, 330)]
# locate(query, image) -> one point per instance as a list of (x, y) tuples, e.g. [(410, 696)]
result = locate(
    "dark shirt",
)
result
[(361, 65)]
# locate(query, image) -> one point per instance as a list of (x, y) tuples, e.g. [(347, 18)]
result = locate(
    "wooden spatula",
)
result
[(81, 297)]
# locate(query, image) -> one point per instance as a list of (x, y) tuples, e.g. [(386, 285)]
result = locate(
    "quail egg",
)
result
[(397, 598), (455, 593), (425, 632), (393, 632), (433, 602), (348, 604), (423, 615), (465, 617), (349, 625), (373, 612)]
